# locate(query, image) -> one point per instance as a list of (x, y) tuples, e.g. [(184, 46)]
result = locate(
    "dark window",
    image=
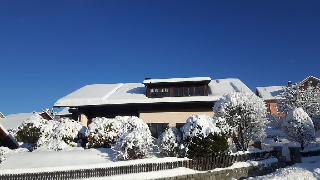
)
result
[(154, 93), (157, 129), (179, 125), (199, 91), (178, 92), (188, 91), (164, 92)]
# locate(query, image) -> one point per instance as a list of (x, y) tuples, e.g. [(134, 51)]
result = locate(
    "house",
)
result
[(13, 121), (65, 113), (1, 115), (270, 93), (6, 139), (158, 102)]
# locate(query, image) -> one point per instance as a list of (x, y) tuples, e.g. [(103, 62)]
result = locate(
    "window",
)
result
[(179, 125), (188, 91), (154, 93), (177, 91), (164, 92), (157, 129), (199, 91)]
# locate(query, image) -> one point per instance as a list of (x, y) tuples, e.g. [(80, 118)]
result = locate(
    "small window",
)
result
[(157, 129), (179, 125), (154, 93), (178, 92), (164, 92), (199, 91), (188, 91)]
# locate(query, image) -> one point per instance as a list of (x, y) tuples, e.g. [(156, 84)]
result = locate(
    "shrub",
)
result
[(102, 132), (202, 126), (170, 142), (135, 139), (35, 130), (207, 146), (68, 133)]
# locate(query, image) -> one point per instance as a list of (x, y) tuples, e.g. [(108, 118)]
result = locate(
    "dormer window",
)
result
[(179, 87)]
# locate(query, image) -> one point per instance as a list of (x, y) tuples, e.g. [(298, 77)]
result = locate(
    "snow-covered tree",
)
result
[(35, 130), (297, 95), (298, 127), (170, 142), (245, 113), (67, 134), (135, 140)]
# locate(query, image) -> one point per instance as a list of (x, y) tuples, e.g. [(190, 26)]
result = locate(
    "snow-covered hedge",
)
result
[(35, 130), (135, 140), (170, 142), (65, 135), (199, 127), (203, 125), (102, 132), (298, 127)]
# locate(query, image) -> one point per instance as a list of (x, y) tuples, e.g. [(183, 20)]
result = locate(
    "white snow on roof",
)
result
[(136, 93), (12, 121), (270, 92), (7, 133), (191, 79), (64, 111)]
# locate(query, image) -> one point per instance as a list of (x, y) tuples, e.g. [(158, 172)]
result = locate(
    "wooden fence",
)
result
[(310, 153), (223, 160), (202, 164)]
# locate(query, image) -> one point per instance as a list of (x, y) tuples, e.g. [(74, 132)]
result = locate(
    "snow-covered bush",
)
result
[(207, 146), (67, 134), (35, 130), (135, 139), (102, 132), (170, 142), (245, 113), (199, 127), (298, 127)]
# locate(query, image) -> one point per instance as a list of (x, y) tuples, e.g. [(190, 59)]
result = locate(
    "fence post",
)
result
[(277, 147), (295, 154)]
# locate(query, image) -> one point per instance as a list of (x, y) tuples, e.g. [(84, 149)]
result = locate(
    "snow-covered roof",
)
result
[(64, 111), (172, 80), (1, 115), (103, 94), (269, 92), (12, 142), (14, 120)]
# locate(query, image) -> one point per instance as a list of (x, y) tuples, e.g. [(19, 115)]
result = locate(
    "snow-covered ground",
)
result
[(309, 169), (69, 159)]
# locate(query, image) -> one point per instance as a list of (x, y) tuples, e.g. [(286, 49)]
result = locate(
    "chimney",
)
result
[(289, 83)]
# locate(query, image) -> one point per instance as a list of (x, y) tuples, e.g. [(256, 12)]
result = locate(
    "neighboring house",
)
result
[(158, 102), (13, 121), (1, 115), (65, 113), (6, 139), (269, 94)]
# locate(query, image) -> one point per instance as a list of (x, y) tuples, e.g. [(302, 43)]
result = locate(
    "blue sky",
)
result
[(50, 48)]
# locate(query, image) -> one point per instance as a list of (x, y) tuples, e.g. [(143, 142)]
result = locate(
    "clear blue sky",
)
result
[(50, 48)]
